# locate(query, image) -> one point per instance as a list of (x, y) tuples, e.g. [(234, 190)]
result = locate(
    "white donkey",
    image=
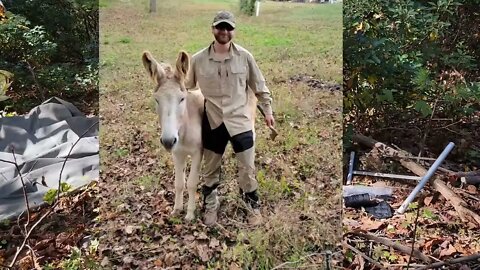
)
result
[(180, 113)]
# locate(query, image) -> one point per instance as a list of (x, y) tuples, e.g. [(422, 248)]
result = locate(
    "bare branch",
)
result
[(377, 264), (68, 155), (394, 245), (19, 250), (32, 72), (450, 262), (23, 188), (414, 235)]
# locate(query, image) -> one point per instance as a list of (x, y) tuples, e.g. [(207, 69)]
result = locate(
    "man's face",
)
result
[(223, 32)]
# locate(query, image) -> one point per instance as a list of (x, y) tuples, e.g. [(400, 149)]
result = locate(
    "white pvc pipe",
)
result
[(388, 175), (425, 178), (257, 4), (350, 168)]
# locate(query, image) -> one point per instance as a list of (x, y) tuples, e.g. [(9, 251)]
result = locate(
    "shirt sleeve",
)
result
[(256, 82), (191, 78)]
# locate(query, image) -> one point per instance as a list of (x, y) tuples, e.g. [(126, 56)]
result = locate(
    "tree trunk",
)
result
[(153, 6)]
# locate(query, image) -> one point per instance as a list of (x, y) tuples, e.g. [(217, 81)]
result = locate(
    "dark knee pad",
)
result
[(215, 140), (252, 199), (242, 141), (206, 190)]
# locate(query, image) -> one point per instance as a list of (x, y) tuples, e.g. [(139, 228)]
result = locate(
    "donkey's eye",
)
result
[(181, 100)]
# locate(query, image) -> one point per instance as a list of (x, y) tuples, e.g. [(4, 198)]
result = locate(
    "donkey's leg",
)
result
[(192, 184), (179, 161)]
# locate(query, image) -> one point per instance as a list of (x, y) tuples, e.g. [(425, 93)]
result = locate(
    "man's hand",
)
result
[(269, 120)]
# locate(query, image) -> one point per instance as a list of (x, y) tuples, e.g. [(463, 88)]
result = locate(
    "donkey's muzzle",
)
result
[(168, 143)]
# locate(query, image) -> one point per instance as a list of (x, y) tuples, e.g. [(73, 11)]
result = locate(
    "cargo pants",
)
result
[(215, 142)]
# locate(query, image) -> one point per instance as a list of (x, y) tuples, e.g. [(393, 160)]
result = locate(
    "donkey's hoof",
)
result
[(189, 217), (176, 212)]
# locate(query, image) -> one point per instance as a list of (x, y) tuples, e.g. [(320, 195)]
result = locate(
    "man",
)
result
[(225, 73)]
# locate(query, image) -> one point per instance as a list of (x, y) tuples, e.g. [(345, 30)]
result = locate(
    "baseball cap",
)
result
[(224, 16)]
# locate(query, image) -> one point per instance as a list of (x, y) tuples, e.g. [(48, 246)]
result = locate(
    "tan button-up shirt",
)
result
[(225, 85)]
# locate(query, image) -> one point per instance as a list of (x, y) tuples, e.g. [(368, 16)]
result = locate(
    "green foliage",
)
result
[(413, 206), (5, 82), (23, 42), (247, 7), (51, 194), (77, 261), (428, 214), (52, 49), (407, 57)]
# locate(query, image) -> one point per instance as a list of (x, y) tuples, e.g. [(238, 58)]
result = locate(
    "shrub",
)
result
[(403, 58), (247, 7), (52, 49)]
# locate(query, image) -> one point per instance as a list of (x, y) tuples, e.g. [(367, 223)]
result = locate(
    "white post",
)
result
[(257, 4)]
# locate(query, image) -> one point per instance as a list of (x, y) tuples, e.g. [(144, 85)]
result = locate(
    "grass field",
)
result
[(299, 173)]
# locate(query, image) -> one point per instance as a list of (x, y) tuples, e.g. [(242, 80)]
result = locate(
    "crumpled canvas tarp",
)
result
[(41, 140)]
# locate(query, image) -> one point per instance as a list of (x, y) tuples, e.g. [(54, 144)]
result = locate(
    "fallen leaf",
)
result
[(214, 243), (429, 244), (25, 263), (445, 244), (324, 134), (169, 259), (369, 225), (42, 244), (472, 189), (131, 229), (203, 253), (460, 248), (127, 259), (361, 262), (158, 263), (105, 261), (447, 252), (65, 239), (202, 236), (428, 200), (234, 266), (178, 228), (351, 223), (189, 238)]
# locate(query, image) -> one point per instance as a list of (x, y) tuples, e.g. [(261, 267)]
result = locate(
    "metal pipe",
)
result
[(426, 177), (388, 175), (350, 168)]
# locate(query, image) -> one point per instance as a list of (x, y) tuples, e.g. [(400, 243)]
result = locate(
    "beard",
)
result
[(223, 38)]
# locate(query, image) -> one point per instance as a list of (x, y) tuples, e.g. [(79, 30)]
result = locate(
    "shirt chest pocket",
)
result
[(238, 76), (208, 80)]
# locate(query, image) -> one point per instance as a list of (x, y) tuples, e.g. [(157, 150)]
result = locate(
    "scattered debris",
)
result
[(315, 83), (387, 236)]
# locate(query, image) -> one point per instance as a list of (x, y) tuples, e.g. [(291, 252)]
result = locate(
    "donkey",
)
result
[(180, 114)]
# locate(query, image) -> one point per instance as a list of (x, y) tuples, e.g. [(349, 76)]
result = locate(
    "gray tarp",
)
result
[(42, 140)]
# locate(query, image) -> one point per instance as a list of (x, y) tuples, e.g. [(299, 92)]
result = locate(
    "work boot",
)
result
[(254, 216), (211, 204)]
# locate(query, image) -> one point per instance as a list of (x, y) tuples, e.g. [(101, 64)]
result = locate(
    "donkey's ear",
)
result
[(154, 70), (182, 66)]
